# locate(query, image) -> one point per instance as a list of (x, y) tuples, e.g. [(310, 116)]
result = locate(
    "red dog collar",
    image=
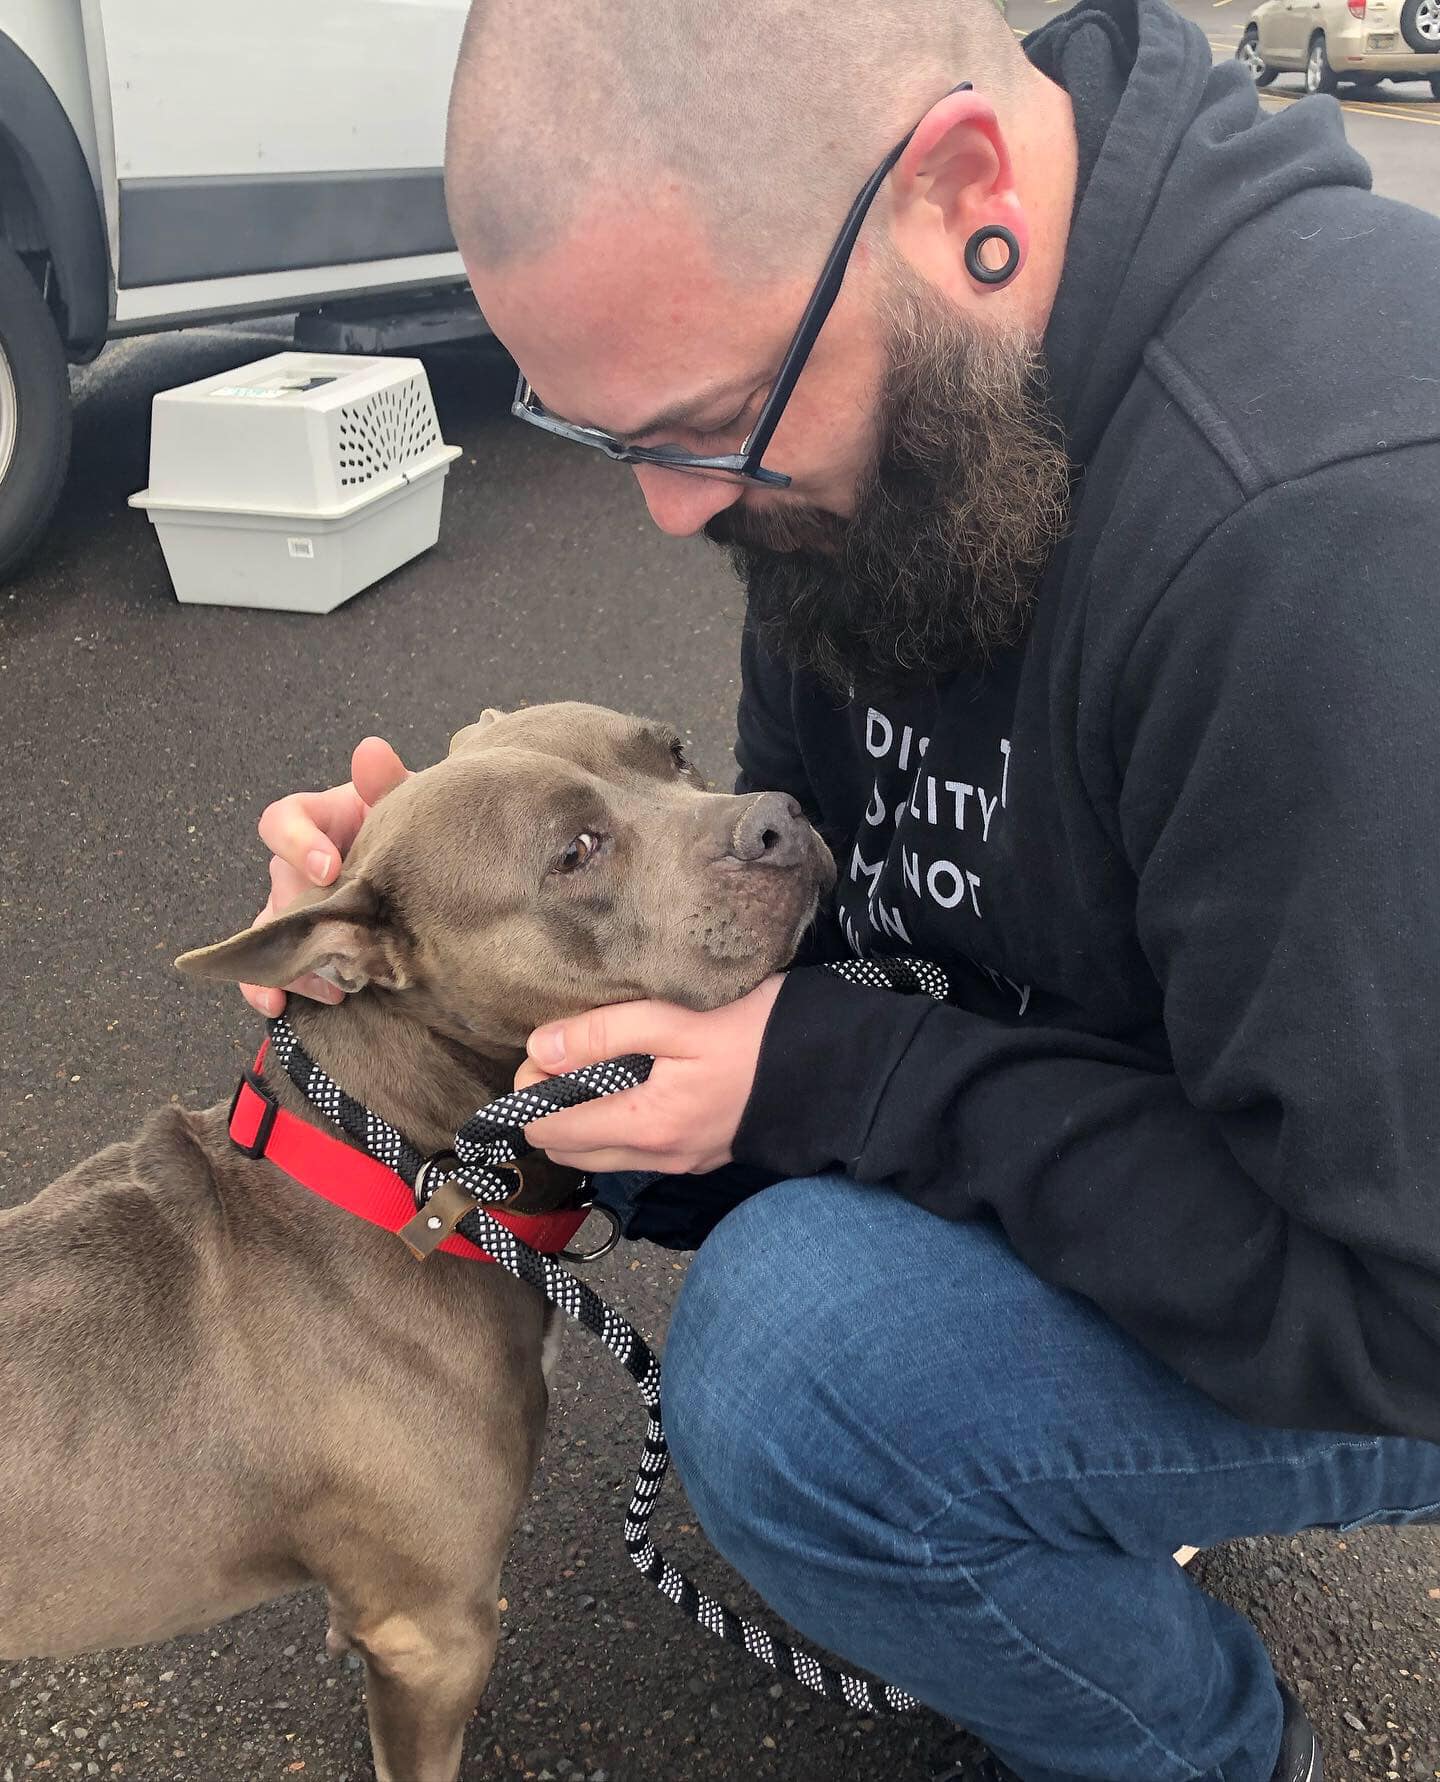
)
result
[(348, 1178)]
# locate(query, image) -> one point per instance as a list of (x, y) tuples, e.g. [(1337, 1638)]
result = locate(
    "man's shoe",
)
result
[(1300, 1758), (981, 1768)]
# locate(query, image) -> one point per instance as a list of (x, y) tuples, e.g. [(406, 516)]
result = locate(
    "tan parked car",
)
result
[(1358, 41)]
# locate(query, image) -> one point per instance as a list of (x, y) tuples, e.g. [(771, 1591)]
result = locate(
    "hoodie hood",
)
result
[(1176, 156)]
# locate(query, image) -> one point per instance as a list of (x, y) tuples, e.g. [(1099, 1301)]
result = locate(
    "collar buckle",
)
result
[(255, 1146)]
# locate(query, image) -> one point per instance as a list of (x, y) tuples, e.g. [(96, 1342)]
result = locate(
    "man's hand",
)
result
[(309, 834), (684, 1119)]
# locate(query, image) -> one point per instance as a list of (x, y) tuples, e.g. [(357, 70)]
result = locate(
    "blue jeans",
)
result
[(970, 1484)]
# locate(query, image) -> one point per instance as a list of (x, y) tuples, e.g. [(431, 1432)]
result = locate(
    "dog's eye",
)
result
[(580, 851), (677, 755)]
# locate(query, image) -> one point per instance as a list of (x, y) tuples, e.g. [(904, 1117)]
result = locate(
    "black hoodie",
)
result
[(1180, 852)]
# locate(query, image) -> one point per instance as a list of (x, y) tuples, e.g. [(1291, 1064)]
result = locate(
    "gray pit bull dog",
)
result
[(215, 1386)]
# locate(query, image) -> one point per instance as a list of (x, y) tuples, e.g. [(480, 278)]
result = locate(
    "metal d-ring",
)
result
[(603, 1249), (446, 1164)]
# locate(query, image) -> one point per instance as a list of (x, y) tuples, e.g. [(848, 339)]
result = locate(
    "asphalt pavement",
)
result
[(142, 739)]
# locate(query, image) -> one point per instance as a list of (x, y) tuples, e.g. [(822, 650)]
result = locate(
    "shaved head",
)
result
[(644, 192), (767, 115)]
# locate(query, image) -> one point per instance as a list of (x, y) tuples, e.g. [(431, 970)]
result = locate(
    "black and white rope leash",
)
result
[(493, 1138)]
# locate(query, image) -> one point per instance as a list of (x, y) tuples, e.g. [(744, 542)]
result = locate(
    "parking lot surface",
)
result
[(142, 739)]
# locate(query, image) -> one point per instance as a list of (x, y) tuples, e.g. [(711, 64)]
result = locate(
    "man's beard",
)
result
[(954, 521)]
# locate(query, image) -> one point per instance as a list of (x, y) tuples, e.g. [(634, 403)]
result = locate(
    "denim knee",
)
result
[(758, 1405)]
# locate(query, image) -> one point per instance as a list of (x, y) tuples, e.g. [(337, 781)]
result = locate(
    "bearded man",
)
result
[(1085, 513)]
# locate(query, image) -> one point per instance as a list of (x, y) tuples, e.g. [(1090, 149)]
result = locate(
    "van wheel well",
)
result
[(21, 228)]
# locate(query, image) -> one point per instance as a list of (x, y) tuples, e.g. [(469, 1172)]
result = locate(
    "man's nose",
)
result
[(771, 831), (680, 502)]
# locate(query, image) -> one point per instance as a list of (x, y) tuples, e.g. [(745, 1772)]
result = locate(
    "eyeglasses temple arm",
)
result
[(822, 299)]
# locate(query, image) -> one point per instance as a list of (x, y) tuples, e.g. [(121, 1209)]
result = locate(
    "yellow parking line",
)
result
[(1402, 109), (1222, 2), (1361, 110)]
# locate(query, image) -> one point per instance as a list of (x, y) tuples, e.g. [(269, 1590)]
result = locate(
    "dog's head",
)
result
[(560, 858)]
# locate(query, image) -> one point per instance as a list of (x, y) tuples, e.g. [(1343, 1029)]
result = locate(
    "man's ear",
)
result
[(462, 739), (345, 936)]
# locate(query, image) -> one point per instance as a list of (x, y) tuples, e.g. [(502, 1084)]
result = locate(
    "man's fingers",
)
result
[(657, 1027), (271, 1003), (285, 886), (529, 1072), (312, 831), (317, 989), (614, 1120), (595, 1163), (376, 769), (308, 835), (263, 999)]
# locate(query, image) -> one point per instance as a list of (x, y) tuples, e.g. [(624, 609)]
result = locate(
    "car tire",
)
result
[(34, 411), (1420, 27), (1319, 75), (1249, 54)]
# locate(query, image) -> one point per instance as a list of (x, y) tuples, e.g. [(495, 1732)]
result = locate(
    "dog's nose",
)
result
[(771, 832)]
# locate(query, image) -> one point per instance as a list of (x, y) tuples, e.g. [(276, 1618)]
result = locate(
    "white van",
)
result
[(167, 162)]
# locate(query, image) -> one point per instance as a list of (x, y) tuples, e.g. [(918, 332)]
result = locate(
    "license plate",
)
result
[(1380, 40)]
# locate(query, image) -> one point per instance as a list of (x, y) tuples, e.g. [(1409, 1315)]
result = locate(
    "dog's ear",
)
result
[(344, 935), (462, 739)]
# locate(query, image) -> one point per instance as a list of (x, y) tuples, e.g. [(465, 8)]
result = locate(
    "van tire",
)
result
[(34, 412)]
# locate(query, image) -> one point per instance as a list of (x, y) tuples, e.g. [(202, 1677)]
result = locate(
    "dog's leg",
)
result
[(424, 1674)]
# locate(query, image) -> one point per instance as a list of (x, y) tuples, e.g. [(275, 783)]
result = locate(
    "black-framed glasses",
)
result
[(743, 466)]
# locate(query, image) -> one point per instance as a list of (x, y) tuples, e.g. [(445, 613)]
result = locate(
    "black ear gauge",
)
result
[(992, 275)]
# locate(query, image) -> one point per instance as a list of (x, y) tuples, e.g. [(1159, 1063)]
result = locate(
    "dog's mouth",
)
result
[(805, 924), (757, 914)]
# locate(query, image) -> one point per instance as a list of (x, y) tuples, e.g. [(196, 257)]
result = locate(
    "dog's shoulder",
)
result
[(101, 1278), (133, 1208)]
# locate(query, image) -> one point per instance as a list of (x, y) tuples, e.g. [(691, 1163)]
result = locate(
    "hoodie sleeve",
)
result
[(1264, 1214)]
